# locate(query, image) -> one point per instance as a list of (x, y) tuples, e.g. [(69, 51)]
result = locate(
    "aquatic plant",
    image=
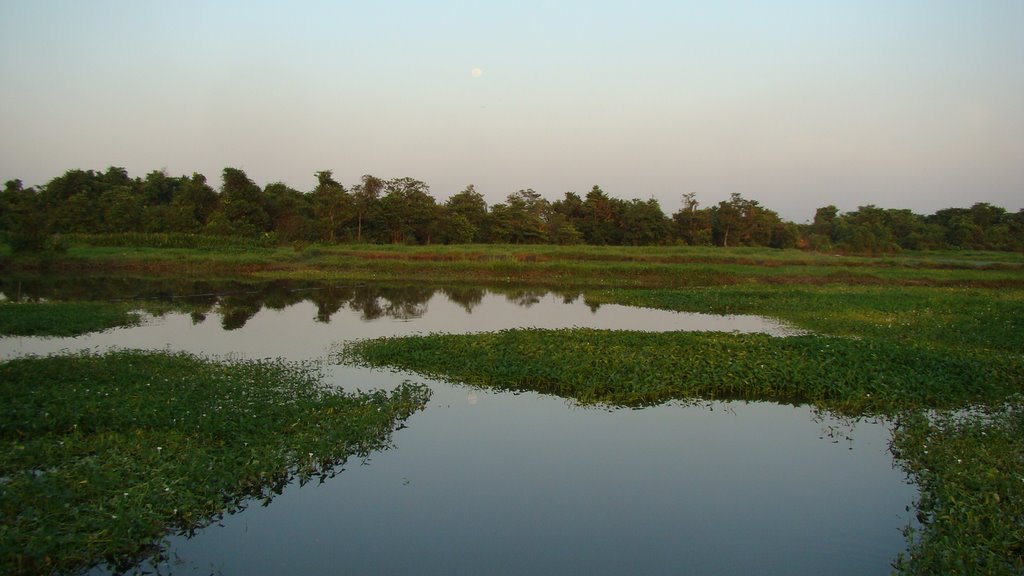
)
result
[(968, 466), (102, 455), (63, 318), (626, 368)]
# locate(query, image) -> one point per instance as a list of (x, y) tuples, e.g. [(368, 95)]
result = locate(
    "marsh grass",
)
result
[(648, 267), (952, 318), (105, 454), (63, 318), (622, 368)]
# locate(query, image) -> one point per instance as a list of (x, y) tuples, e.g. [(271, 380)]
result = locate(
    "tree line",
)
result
[(403, 211)]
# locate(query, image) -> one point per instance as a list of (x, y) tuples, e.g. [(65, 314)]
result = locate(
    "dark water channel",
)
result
[(498, 483)]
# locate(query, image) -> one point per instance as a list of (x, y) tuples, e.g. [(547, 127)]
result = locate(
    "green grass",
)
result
[(937, 317), (850, 377), (648, 267), (63, 318), (105, 454)]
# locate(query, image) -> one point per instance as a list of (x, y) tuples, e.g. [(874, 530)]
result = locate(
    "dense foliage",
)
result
[(63, 318), (971, 475), (402, 210), (641, 368), (103, 454)]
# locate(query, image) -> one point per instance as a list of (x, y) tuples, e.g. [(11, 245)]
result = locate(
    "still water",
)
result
[(486, 482)]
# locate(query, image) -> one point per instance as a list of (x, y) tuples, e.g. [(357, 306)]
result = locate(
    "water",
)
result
[(502, 483)]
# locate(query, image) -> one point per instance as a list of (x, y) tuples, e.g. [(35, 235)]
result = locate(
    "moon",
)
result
[(476, 72)]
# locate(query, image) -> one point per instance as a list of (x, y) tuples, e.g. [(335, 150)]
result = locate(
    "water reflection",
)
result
[(237, 303), (493, 482)]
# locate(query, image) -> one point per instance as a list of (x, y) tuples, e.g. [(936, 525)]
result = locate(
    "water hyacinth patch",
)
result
[(104, 454), (626, 368), (63, 318), (971, 509)]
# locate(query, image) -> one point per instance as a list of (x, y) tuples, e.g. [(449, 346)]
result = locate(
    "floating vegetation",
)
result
[(103, 455), (954, 318), (63, 318), (624, 368), (969, 468), (971, 509)]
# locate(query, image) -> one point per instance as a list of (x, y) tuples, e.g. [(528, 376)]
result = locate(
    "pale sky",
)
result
[(795, 104)]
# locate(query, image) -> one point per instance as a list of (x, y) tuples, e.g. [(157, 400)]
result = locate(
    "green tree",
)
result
[(825, 221), (22, 220), (600, 223), (408, 211), (332, 206), (291, 212), (691, 224), (526, 213), (366, 201), (865, 231), (193, 203), (726, 220), (643, 223), (159, 188), (241, 210), (742, 222), (122, 210), (465, 216)]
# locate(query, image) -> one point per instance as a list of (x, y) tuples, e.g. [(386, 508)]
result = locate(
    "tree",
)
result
[(158, 188), (122, 210), (742, 222), (565, 219), (193, 203), (524, 217), (22, 220), (599, 225), (365, 199), (560, 230), (725, 219), (290, 211), (691, 224), (242, 210), (465, 216), (408, 211), (643, 223), (865, 231), (825, 221), (332, 206)]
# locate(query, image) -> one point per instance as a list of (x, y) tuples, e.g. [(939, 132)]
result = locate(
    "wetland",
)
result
[(723, 429)]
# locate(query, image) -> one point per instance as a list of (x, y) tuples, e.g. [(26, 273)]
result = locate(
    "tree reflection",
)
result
[(525, 298), (468, 298), (237, 302)]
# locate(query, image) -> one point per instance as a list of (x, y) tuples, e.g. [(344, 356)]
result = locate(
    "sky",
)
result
[(795, 104)]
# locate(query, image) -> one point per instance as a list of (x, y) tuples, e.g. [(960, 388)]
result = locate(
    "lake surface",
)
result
[(502, 483)]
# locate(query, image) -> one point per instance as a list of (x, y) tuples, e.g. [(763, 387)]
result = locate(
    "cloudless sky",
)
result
[(796, 103)]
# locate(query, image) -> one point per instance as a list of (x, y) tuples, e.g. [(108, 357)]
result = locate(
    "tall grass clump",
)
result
[(105, 454)]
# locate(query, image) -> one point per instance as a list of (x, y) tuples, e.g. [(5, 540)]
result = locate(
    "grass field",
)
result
[(647, 267)]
